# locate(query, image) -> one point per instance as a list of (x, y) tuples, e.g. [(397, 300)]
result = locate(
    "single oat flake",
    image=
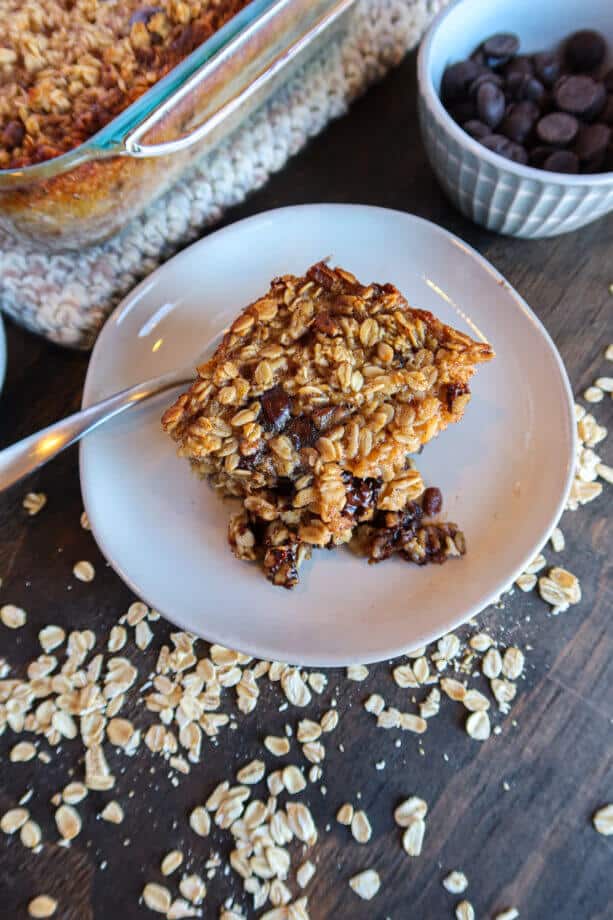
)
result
[(42, 906), (84, 571), (603, 820), (478, 726), (366, 884), (157, 898), (360, 827), (411, 808), (465, 911), (511, 913), (413, 837), (13, 617), (112, 812), (34, 502), (456, 882)]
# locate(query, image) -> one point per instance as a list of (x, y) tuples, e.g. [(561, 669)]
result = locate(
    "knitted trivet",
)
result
[(66, 296)]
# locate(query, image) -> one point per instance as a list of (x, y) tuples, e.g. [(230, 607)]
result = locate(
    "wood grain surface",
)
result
[(513, 813)]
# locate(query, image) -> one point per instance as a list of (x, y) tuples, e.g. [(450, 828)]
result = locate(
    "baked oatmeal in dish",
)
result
[(68, 67), (309, 411)]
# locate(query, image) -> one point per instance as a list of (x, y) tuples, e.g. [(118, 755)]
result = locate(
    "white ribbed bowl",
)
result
[(495, 192)]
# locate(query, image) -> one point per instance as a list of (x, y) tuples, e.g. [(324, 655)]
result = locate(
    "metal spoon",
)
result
[(27, 455)]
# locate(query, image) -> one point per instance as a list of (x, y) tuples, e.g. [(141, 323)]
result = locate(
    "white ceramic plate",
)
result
[(504, 471)]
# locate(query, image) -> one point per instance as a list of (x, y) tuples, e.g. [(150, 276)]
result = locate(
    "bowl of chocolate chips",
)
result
[(516, 111)]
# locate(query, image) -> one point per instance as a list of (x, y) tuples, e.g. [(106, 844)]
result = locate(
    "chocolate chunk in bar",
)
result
[(276, 406)]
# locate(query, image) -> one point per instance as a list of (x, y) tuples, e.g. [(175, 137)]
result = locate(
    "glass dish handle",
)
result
[(134, 143)]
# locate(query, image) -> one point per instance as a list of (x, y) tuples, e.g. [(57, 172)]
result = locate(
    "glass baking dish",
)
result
[(87, 194)]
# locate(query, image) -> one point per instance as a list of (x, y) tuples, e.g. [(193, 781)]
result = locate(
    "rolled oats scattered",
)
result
[(68, 822), (171, 862), (180, 910), (411, 808), (34, 502), (357, 672), (526, 581), (557, 540), (295, 688), (605, 472), (22, 752), (74, 793), (456, 882), (199, 821), (491, 666), (345, 814), (375, 704), (481, 642), (603, 820), (274, 781), (42, 906), (293, 780), (478, 726), (301, 822), (112, 812), (305, 873), (308, 730), (329, 720), (465, 911), (317, 681), (50, 637), (13, 820), (13, 617), (361, 829), (475, 701), (251, 773), (193, 888), (277, 745), (30, 834), (366, 884), (560, 589), (157, 898), (593, 394), (413, 837), (453, 688), (513, 663), (143, 635), (314, 751), (84, 571)]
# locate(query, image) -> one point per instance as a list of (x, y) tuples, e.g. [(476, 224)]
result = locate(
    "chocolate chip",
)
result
[(521, 64), (456, 80), (591, 146), (506, 148), (490, 104), (519, 121), (432, 501), (538, 155), (580, 95), (276, 406), (557, 128), (499, 48), (463, 111), (13, 134), (585, 50), (476, 128), (144, 14), (607, 113), (488, 76), (302, 432), (563, 161), (547, 67)]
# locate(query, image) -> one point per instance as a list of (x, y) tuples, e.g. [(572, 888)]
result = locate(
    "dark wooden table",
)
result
[(531, 845)]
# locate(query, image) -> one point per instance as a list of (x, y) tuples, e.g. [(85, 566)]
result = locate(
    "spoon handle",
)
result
[(28, 454)]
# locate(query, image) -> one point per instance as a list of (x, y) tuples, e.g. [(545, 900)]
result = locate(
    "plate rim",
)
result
[(322, 659)]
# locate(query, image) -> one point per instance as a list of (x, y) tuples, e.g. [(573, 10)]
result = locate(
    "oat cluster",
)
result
[(67, 67), (309, 412)]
